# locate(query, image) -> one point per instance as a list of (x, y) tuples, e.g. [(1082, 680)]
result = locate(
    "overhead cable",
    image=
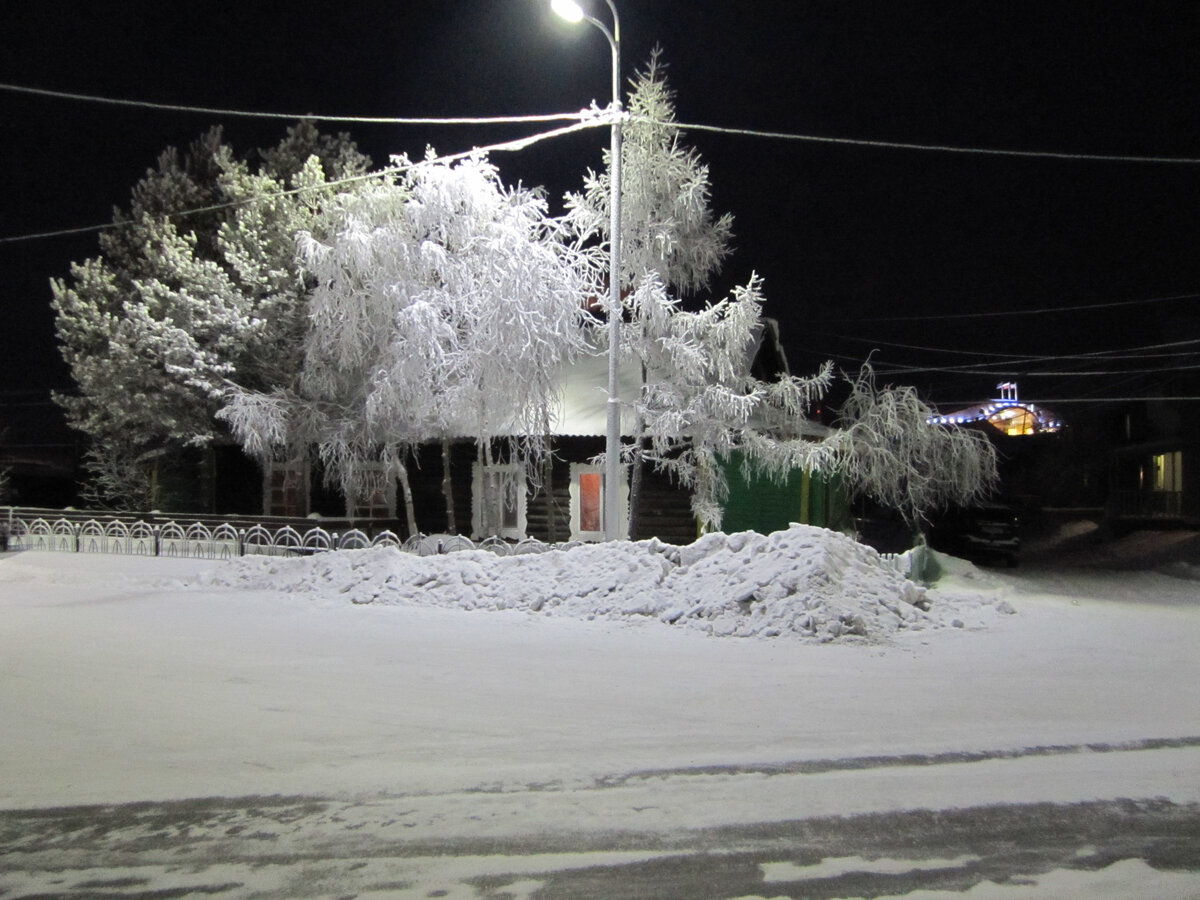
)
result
[(1091, 355), (1063, 400), (503, 146), (936, 148), (554, 117), (369, 120), (1048, 310)]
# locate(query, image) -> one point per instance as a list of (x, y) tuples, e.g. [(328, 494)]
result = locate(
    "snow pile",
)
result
[(805, 582)]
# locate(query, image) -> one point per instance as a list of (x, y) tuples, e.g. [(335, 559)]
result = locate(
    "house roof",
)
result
[(582, 408)]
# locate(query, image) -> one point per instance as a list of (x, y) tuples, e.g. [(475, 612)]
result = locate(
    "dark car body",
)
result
[(986, 534)]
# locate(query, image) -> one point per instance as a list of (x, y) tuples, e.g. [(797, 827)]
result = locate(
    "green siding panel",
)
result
[(762, 505)]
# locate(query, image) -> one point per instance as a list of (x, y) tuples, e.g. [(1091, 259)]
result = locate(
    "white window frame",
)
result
[(509, 471), (388, 509), (577, 533)]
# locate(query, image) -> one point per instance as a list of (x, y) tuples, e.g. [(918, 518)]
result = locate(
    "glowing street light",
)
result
[(568, 9), (572, 12)]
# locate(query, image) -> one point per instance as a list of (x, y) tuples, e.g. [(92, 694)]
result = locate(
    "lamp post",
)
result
[(571, 11)]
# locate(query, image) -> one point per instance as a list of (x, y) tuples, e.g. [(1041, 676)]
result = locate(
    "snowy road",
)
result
[(403, 752), (390, 849)]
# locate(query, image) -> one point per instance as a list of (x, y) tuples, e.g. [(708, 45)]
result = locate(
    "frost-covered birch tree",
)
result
[(895, 456), (707, 405), (443, 305), (701, 402), (195, 287)]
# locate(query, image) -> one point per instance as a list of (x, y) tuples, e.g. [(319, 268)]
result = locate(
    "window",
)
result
[(587, 504), (1015, 420), (1168, 472), (286, 491), (377, 499), (498, 501)]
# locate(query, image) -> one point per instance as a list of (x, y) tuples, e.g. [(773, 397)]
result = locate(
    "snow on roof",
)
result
[(582, 407)]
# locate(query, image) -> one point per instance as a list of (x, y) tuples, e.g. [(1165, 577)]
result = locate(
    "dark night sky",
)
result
[(846, 237)]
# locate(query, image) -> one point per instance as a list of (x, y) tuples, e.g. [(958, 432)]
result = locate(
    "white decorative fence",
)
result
[(224, 540)]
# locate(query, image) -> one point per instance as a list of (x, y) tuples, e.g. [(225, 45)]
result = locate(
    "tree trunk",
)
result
[(548, 487), (635, 488), (635, 477), (406, 490), (448, 488)]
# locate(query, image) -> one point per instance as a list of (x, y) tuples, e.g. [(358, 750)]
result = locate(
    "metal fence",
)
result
[(34, 530), (1147, 504)]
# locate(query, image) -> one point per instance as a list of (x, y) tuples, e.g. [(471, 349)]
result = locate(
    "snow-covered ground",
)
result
[(603, 690)]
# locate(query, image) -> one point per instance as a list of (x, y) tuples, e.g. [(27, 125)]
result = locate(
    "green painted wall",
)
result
[(760, 504)]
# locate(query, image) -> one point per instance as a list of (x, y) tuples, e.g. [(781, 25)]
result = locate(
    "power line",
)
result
[(504, 146), (900, 368), (937, 148), (1048, 310), (1063, 400), (885, 367), (553, 117), (369, 120), (1090, 355)]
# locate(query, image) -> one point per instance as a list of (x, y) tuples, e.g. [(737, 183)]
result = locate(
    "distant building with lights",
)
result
[(1008, 414)]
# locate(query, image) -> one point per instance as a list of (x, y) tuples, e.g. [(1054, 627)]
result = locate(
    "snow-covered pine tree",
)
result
[(442, 305), (667, 225), (195, 287), (669, 233)]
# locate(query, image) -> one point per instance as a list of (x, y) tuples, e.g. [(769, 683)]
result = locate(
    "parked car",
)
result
[(886, 532), (987, 533)]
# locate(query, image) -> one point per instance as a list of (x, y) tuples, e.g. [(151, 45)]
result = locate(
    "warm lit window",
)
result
[(498, 501), (377, 498), (1168, 472), (587, 504), (286, 491), (591, 499), (1014, 420)]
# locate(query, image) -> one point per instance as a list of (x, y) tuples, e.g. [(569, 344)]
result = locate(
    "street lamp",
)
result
[(571, 11)]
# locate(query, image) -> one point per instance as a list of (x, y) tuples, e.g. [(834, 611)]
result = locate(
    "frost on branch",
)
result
[(443, 304), (896, 457), (667, 225), (700, 403), (195, 290)]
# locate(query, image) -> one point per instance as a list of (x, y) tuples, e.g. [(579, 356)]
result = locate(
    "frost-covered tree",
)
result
[(196, 286), (671, 241), (707, 405), (668, 228), (895, 456), (443, 304), (701, 403)]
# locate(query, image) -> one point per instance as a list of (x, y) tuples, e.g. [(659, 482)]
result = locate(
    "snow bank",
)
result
[(805, 582)]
